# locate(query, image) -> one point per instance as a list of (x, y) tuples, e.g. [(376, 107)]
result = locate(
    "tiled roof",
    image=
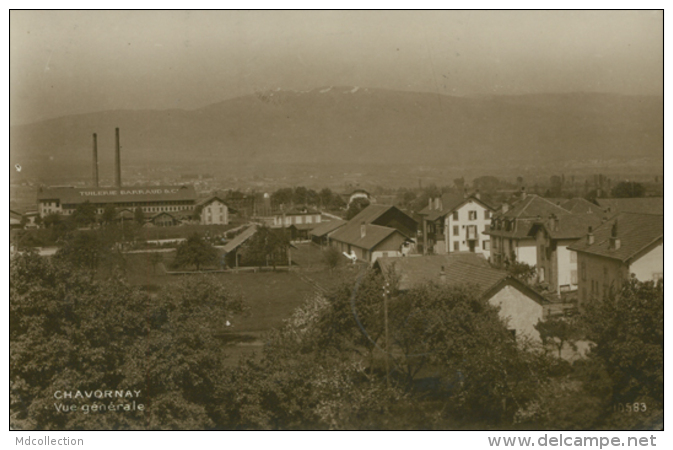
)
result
[(351, 234), (205, 201), (636, 232), (643, 205), (327, 227), (370, 214), (531, 207), (240, 239), (449, 203), (71, 195), (459, 268), (570, 226), (579, 205), (522, 230)]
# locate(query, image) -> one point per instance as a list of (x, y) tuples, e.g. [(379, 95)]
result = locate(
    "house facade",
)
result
[(556, 264), (455, 223), (520, 307), (511, 233), (627, 246), (297, 215), (369, 242), (214, 211)]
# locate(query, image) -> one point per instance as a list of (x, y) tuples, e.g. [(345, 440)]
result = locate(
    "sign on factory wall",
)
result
[(129, 192)]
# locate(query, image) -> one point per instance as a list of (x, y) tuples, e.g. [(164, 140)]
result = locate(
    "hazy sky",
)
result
[(70, 62)]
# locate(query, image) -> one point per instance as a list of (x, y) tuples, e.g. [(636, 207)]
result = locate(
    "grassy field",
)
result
[(270, 297)]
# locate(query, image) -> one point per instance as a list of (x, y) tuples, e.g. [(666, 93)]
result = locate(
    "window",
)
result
[(486, 245), (487, 214), (472, 215), (573, 257), (456, 230), (456, 246), (385, 254), (455, 215), (573, 277)]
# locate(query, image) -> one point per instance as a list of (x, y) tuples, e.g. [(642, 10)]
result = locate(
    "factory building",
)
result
[(151, 199)]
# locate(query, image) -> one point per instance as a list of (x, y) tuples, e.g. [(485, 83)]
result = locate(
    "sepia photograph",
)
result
[(337, 220)]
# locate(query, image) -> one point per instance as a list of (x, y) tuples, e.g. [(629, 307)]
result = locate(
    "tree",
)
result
[(558, 331), (195, 251), (268, 246), (139, 216), (109, 214), (332, 257), (84, 215), (84, 250), (628, 328), (71, 333), (626, 189), (520, 270), (355, 207)]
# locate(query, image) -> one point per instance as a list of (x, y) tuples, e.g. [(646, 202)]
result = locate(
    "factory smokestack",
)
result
[(94, 168), (118, 167)]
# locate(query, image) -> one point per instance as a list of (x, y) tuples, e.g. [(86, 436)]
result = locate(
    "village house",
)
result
[(213, 211), (378, 230), (456, 223), (367, 242), (556, 264), (629, 245), (520, 306), (297, 215), (510, 230)]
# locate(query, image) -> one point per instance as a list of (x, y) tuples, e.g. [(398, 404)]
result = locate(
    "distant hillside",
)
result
[(345, 124)]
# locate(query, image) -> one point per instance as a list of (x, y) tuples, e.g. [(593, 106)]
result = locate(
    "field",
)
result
[(270, 297)]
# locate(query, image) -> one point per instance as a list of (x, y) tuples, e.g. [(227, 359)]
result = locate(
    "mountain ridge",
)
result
[(361, 125)]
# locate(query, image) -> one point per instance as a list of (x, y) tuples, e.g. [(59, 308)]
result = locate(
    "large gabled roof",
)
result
[(327, 227), (579, 205), (570, 226), (449, 203), (370, 214), (240, 239), (373, 236), (531, 207), (636, 233), (461, 268), (642, 205)]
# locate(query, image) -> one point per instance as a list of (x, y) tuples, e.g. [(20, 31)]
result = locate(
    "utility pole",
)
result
[(385, 324)]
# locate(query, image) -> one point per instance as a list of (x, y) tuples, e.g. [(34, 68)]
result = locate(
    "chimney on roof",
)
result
[(553, 222), (465, 194), (430, 203), (442, 275), (590, 236), (477, 195), (438, 203), (363, 230), (615, 242), (523, 192), (505, 208), (118, 168), (94, 167)]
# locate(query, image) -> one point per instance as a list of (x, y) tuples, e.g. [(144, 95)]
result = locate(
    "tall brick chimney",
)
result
[(94, 167), (118, 168)]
